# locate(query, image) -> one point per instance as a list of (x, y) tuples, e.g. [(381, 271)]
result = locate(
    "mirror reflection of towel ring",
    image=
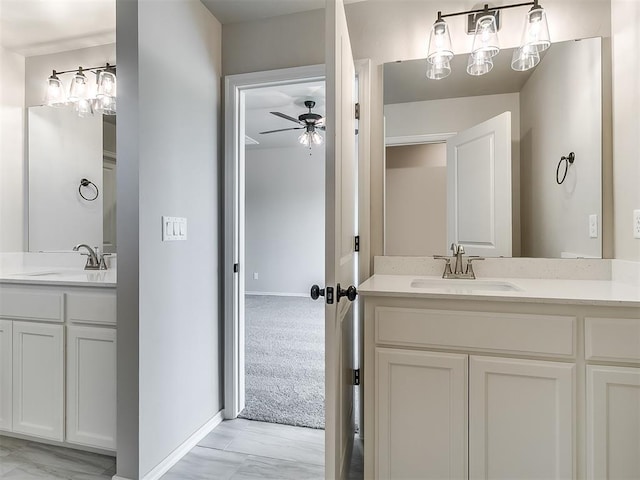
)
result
[(85, 183), (568, 160)]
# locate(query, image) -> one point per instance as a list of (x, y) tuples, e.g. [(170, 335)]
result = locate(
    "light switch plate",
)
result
[(593, 226), (174, 228), (636, 224)]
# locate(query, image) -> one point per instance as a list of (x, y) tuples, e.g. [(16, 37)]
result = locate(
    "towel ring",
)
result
[(85, 183), (568, 160)]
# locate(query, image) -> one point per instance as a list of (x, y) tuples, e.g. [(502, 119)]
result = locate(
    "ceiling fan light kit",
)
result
[(484, 25), (309, 122)]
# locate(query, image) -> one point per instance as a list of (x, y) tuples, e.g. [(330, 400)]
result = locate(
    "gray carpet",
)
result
[(284, 360)]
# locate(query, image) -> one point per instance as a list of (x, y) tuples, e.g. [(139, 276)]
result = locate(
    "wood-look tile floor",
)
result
[(26, 460), (245, 449)]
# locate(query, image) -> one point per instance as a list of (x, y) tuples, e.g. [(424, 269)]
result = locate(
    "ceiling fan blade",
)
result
[(286, 117), (282, 130)]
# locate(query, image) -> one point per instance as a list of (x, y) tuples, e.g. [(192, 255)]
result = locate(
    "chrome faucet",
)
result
[(95, 260), (458, 270)]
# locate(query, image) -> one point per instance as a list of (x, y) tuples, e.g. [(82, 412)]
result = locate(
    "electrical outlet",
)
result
[(636, 224), (593, 226), (255, 275)]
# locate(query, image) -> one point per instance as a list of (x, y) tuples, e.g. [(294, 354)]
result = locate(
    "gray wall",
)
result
[(169, 322), (555, 119), (284, 225)]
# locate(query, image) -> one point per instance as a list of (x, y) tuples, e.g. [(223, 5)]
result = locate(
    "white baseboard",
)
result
[(175, 456), (277, 294)]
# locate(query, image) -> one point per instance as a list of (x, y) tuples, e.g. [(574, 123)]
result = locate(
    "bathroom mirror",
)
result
[(72, 175), (435, 195)]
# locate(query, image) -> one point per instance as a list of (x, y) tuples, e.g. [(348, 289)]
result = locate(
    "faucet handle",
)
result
[(469, 269), (447, 264)]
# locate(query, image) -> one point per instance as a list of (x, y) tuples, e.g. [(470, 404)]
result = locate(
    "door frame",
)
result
[(235, 86)]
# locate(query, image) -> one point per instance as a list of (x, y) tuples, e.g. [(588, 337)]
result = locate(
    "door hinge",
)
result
[(356, 243), (357, 112), (356, 376), (329, 295), (236, 268)]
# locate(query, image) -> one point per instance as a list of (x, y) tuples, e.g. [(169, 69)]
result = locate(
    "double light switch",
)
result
[(174, 228)]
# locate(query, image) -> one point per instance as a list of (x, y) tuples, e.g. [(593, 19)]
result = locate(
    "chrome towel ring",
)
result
[(568, 160), (84, 183)]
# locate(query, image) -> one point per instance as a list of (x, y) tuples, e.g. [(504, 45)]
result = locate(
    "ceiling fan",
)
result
[(309, 122)]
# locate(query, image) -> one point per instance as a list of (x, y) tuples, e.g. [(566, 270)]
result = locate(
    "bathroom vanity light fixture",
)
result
[(484, 25), (85, 96)]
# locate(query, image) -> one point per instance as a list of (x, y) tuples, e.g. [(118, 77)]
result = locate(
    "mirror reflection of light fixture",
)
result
[(484, 24), (54, 95), (85, 97), (310, 137)]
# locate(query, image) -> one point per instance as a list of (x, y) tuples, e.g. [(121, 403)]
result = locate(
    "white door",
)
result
[(5, 374), (479, 188), (521, 418), (38, 380), (91, 386), (421, 399), (340, 258), (613, 422)]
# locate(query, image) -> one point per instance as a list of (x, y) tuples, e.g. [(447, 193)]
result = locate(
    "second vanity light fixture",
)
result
[(484, 23), (85, 96)]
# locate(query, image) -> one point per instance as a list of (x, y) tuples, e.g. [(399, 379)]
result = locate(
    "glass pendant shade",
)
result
[(106, 84), (536, 30), (84, 107), (105, 105), (54, 95), (479, 64), (485, 40), (438, 70), (524, 58), (310, 137), (79, 87), (439, 43)]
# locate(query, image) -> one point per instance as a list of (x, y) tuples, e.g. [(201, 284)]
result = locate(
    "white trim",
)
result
[(235, 85), (174, 457), (418, 139), (276, 294)]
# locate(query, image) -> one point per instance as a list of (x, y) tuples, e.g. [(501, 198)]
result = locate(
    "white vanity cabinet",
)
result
[(38, 380), (58, 363), (91, 386), (458, 389)]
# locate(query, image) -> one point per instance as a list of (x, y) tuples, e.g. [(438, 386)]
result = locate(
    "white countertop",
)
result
[(71, 277), (585, 292)]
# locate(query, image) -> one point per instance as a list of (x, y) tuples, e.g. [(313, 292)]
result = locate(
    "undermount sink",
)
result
[(464, 285), (37, 274)]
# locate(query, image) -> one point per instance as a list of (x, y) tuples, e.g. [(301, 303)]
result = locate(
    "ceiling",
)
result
[(287, 99), (235, 11), (407, 82)]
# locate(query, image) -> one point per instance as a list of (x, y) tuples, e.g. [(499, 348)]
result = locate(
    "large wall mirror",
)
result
[(72, 179), (486, 161)]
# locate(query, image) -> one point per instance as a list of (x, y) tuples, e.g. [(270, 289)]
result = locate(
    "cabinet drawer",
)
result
[(612, 339), (541, 335), (31, 305), (91, 308)]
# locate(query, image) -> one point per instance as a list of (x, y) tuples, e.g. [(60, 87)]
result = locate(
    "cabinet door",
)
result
[(38, 380), (91, 386), (421, 424), (613, 423), (521, 419), (5, 374)]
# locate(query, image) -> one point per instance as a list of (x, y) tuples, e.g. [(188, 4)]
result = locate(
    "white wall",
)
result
[(626, 124), (12, 166), (416, 200), (284, 225), (558, 118), (63, 149), (169, 311), (453, 115)]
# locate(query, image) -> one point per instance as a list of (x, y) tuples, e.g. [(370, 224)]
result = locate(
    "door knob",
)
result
[(351, 293), (317, 292)]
